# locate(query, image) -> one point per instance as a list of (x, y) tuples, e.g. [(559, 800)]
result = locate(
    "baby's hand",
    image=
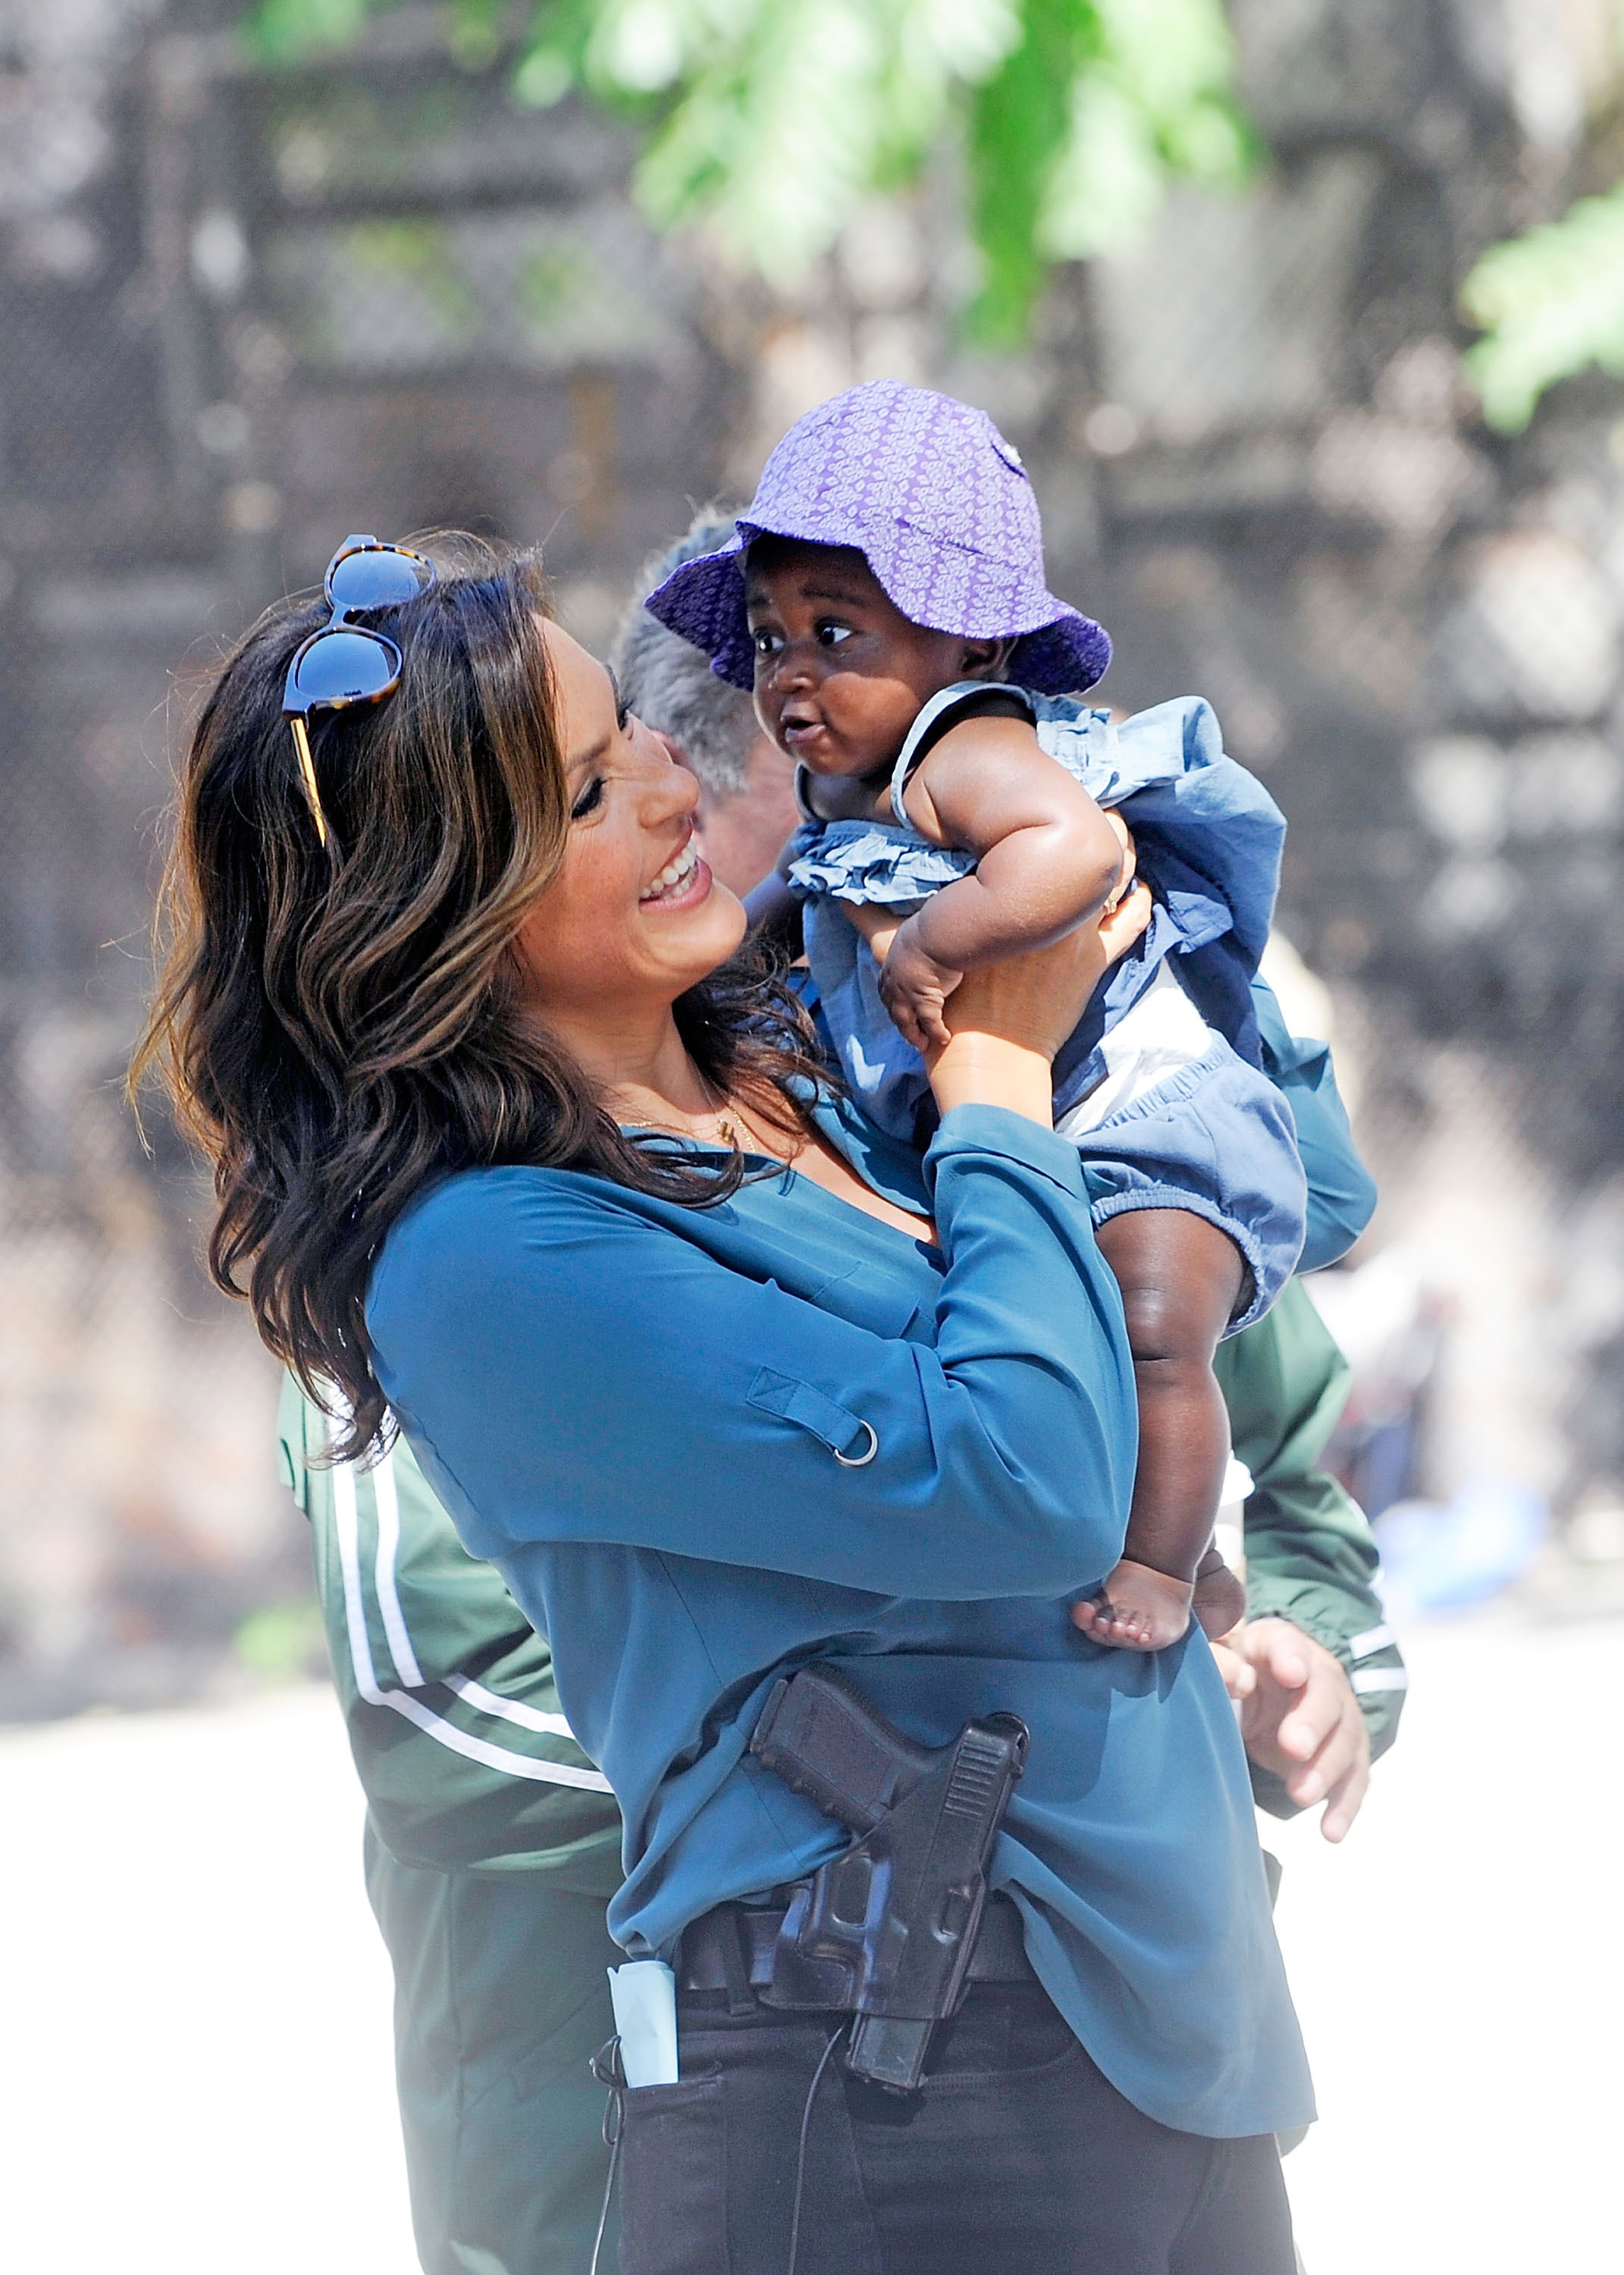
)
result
[(877, 926), (915, 989), (1131, 857), (1221, 1597)]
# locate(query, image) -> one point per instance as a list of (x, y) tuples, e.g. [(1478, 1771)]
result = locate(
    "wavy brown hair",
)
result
[(340, 1028)]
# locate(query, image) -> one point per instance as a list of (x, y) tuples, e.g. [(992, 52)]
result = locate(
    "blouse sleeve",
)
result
[(572, 1369)]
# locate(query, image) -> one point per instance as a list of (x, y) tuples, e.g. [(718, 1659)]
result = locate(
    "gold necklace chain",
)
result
[(735, 1129), (731, 1128)]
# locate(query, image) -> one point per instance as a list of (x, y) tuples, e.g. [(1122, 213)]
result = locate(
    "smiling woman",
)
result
[(633, 906), (609, 931), (341, 1018), (516, 1149)]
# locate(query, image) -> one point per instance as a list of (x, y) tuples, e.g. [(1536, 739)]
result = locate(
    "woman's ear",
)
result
[(987, 659)]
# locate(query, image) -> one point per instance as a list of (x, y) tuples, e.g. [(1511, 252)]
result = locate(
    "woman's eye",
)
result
[(589, 800), (830, 633)]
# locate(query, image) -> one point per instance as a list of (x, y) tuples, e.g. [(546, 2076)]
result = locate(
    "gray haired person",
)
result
[(747, 798)]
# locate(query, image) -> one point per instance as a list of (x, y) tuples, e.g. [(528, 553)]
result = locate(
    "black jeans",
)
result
[(1017, 2157)]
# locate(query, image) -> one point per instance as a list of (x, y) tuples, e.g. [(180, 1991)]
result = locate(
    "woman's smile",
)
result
[(682, 883), (632, 914)]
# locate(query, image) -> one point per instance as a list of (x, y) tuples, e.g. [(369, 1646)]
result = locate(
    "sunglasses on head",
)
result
[(345, 663)]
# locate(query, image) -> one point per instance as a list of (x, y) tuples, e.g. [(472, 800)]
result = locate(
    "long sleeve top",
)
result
[(447, 1692), (635, 1411)]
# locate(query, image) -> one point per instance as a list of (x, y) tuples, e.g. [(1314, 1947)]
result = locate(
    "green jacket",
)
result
[(1311, 1557), (447, 1692), (447, 1689)]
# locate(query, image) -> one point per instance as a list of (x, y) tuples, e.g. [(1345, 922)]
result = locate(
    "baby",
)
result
[(885, 597)]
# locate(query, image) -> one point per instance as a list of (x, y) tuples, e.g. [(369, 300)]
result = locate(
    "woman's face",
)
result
[(634, 918)]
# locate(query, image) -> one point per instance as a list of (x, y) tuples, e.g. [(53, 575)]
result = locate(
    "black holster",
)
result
[(885, 1929)]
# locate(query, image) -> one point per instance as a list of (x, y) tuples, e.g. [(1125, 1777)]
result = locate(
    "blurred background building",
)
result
[(254, 294)]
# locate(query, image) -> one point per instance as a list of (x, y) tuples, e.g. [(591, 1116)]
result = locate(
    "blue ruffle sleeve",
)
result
[(871, 863)]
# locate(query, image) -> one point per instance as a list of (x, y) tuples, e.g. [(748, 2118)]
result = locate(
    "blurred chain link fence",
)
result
[(241, 313)]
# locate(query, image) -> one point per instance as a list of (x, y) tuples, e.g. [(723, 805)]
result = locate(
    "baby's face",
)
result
[(840, 673)]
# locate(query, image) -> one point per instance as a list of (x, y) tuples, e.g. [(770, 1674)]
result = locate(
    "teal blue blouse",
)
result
[(634, 1410)]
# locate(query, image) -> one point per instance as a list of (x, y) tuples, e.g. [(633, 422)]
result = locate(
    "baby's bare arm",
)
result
[(878, 925), (1047, 858)]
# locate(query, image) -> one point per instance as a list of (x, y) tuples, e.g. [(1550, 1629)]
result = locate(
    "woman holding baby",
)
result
[(515, 1140)]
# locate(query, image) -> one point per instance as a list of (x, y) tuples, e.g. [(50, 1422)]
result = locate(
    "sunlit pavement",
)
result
[(1458, 1967), (195, 2016), (195, 2003)]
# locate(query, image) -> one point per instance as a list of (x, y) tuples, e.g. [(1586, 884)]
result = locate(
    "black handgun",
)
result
[(885, 1929)]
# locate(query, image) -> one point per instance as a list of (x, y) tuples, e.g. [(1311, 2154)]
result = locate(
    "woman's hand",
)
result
[(1007, 1021)]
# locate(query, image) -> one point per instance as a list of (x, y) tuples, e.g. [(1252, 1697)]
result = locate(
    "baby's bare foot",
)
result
[(1137, 1609)]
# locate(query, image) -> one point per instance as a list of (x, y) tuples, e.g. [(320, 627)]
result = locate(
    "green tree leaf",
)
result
[(768, 122), (1551, 304), (1019, 123), (287, 31)]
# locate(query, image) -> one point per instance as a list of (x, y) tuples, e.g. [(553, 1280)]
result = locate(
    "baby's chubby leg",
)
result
[(1181, 1278)]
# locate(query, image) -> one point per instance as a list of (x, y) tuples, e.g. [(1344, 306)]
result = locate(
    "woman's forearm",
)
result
[(977, 1069)]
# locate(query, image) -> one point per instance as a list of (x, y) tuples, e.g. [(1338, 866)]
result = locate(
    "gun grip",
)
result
[(819, 1733)]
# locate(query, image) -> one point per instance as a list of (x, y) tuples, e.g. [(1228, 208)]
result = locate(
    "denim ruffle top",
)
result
[(1209, 839)]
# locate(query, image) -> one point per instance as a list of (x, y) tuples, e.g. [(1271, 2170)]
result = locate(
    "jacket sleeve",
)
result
[(447, 1691), (573, 1368), (1341, 1192), (1311, 1557)]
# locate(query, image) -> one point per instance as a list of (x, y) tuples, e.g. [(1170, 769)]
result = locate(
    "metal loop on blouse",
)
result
[(859, 1461)]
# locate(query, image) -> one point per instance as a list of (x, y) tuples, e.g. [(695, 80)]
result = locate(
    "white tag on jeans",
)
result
[(644, 1995)]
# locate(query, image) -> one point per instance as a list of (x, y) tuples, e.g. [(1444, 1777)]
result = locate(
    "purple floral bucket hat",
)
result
[(930, 492)]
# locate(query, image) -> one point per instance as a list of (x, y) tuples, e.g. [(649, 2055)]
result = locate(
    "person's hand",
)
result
[(1130, 856), (1007, 1020), (915, 989), (1299, 1717), (877, 926)]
